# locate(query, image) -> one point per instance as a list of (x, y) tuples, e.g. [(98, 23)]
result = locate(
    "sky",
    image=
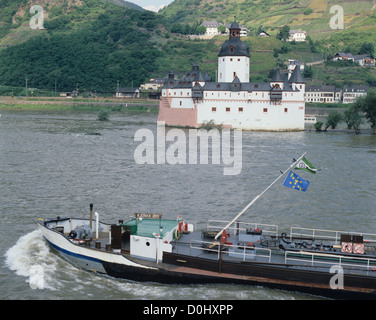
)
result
[(153, 5)]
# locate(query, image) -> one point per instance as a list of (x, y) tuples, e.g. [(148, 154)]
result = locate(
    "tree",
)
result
[(318, 125), (201, 30), (284, 34), (221, 29), (367, 104), (367, 48), (308, 72), (353, 117), (333, 119)]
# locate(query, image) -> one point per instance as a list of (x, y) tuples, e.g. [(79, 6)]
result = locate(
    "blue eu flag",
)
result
[(295, 182)]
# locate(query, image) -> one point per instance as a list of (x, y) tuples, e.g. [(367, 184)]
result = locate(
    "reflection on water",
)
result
[(56, 163)]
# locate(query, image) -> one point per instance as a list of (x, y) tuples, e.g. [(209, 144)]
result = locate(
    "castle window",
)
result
[(230, 59), (228, 110), (214, 109), (240, 109), (239, 59), (286, 110), (265, 110), (232, 49), (181, 103)]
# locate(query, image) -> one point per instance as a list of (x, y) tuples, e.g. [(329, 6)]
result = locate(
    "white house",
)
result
[(323, 94), (351, 92), (364, 60), (343, 56), (233, 101), (211, 27), (297, 35)]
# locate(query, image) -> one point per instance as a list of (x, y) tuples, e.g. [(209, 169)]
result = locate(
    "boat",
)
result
[(147, 247), (310, 118)]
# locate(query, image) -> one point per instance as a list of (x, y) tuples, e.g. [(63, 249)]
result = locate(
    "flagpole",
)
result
[(257, 197)]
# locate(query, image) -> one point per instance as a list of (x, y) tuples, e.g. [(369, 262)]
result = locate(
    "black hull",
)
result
[(179, 269)]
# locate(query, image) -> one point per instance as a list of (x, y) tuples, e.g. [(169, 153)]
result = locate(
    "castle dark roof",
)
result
[(234, 47), (296, 76), (277, 76)]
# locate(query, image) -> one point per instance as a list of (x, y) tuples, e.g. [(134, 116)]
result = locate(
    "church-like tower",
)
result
[(233, 59)]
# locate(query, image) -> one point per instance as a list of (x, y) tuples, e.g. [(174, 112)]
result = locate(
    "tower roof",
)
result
[(234, 47), (277, 76), (296, 76)]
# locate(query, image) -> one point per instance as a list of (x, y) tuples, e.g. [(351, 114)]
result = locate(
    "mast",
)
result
[(257, 197)]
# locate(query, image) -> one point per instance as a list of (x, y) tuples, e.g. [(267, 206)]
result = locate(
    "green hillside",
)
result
[(91, 45), (312, 16)]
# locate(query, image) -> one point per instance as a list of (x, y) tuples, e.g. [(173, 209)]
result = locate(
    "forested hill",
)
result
[(85, 44), (93, 45)]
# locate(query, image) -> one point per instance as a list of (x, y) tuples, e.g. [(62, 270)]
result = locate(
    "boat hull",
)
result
[(182, 269)]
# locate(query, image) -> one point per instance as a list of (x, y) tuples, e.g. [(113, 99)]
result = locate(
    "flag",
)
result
[(304, 164), (295, 182)]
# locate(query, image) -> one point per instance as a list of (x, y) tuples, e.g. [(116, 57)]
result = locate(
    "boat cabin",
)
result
[(149, 238)]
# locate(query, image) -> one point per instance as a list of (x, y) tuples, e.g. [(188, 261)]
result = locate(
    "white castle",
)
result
[(233, 101)]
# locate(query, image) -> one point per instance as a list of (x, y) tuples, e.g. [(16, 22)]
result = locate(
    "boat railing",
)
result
[(241, 252), (315, 259), (267, 229), (333, 235)]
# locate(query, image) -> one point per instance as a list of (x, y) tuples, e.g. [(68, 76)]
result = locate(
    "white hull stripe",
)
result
[(70, 253)]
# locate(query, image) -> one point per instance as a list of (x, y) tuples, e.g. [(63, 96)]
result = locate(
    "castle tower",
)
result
[(233, 59), (296, 80)]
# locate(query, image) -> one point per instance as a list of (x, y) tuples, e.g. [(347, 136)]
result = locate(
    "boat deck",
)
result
[(242, 246)]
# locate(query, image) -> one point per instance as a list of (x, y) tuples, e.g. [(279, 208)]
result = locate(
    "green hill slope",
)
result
[(311, 15), (93, 44)]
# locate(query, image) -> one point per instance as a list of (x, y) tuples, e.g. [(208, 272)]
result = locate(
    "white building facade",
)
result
[(297, 35), (233, 101)]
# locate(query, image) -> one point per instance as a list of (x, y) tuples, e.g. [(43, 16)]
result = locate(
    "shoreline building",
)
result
[(233, 101)]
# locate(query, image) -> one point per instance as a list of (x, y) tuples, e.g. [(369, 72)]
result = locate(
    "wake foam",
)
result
[(32, 253)]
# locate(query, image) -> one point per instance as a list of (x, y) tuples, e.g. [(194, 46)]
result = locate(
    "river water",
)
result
[(57, 163)]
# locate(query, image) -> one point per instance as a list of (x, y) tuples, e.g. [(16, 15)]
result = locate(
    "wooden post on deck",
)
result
[(91, 215)]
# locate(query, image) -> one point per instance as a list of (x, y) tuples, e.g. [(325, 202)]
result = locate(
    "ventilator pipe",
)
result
[(96, 224), (91, 215)]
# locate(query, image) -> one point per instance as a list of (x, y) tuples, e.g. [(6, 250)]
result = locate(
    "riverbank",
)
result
[(56, 103)]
